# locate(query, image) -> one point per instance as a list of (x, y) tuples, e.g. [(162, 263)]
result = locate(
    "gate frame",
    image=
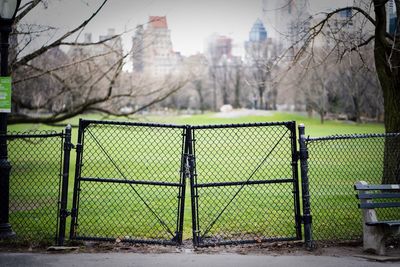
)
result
[(188, 171), (298, 218), (177, 239)]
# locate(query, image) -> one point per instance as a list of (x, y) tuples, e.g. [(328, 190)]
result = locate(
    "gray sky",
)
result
[(190, 21)]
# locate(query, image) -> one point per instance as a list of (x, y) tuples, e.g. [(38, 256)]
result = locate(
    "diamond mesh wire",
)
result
[(129, 183), (228, 209), (35, 159), (335, 164), (226, 158)]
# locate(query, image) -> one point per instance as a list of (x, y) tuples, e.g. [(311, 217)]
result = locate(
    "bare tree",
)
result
[(224, 78), (371, 15), (359, 92), (262, 62), (52, 85), (238, 73), (197, 66)]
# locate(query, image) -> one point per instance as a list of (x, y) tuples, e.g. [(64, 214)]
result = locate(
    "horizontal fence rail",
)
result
[(35, 179), (335, 164)]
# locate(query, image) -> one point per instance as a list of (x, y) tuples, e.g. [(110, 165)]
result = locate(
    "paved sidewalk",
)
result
[(180, 259)]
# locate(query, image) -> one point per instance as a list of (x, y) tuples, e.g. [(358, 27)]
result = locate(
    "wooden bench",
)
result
[(375, 231)]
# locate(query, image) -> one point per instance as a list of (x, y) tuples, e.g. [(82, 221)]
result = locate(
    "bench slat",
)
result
[(379, 205), (378, 195), (389, 223), (377, 187)]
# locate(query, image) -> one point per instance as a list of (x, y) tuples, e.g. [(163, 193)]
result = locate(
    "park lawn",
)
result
[(313, 125), (258, 211)]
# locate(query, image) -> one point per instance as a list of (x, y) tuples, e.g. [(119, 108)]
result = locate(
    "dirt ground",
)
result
[(334, 249)]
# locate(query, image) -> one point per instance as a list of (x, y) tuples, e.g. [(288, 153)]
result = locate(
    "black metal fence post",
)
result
[(5, 166), (307, 219), (295, 173), (182, 192), (78, 162), (193, 191), (64, 186)]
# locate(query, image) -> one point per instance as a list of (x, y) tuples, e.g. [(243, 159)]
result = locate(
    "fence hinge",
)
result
[(302, 154), (64, 213), (296, 156), (68, 146), (73, 212), (306, 219), (177, 237), (78, 148)]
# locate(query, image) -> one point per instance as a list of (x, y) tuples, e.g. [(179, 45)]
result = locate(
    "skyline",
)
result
[(190, 22)]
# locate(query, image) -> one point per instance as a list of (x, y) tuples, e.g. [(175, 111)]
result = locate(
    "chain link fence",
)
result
[(36, 163), (245, 188), (335, 164), (129, 185)]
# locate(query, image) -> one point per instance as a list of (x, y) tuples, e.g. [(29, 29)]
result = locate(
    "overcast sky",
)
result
[(190, 21)]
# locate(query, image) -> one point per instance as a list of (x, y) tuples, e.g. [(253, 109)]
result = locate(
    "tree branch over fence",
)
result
[(22, 61)]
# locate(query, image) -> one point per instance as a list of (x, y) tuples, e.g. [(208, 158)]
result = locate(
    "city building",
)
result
[(137, 50), (260, 54), (391, 17), (218, 47), (287, 20), (259, 47), (152, 49), (258, 33), (340, 28)]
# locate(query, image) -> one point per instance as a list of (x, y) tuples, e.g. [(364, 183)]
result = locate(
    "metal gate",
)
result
[(130, 182), (245, 183)]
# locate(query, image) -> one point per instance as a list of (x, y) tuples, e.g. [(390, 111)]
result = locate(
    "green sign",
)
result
[(5, 94)]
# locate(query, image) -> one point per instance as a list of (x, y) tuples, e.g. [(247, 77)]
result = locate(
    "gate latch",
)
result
[(188, 164), (68, 146), (306, 219), (64, 213)]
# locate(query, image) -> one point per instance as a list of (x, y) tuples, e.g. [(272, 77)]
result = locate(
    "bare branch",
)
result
[(49, 71), (143, 107), (25, 9), (358, 46), (57, 42), (89, 44)]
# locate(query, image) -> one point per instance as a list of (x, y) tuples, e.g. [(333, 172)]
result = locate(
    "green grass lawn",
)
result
[(140, 211), (313, 125)]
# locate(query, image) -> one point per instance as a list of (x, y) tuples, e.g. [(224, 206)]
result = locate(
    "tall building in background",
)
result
[(259, 46), (340, 27), (258, 33), (260, 54), (137, 50), (391, 17), (286, 20), (153, 53), (218, 46), (87, 37), (113, 47)]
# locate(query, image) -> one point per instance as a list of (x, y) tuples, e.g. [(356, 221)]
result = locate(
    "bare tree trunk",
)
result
[(321, 116), (236, 102), (357, 108), (387, 60), (214, 78), (199, 89), (274, 95), (224, 88), (261, 97)]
